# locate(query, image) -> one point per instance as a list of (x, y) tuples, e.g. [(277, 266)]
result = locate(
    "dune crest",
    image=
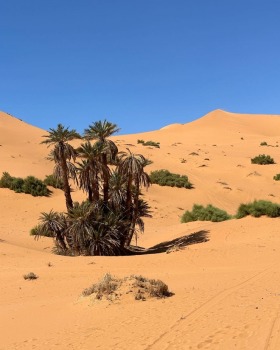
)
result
[(225, 285)]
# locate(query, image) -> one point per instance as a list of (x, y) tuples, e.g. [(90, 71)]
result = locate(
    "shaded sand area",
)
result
[(225, 278)]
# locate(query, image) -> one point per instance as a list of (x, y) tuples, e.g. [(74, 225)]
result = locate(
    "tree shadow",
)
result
[(175, 244)]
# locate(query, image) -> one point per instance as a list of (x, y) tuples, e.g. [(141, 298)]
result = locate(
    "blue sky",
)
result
[(141, 64)]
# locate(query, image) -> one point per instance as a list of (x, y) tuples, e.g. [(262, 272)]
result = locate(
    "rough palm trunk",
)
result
[(134, 215), (95, 185), (90, 196), (66, 186), (105, 180)]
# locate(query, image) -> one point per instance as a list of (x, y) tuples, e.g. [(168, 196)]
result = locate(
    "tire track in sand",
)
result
[(273, 339), (211, 302)]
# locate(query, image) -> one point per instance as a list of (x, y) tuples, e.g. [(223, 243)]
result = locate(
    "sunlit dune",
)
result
[(224, 276)]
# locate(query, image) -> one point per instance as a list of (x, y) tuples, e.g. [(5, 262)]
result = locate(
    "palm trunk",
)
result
[(90, 197), (95, 185), (134, 215), (105, 180), (66, 186)]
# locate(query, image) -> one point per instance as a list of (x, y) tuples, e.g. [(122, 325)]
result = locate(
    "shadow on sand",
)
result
[(177, 243)]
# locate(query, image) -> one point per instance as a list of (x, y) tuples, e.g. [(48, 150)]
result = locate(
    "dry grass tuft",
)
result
[(30, 276), (141, 288)]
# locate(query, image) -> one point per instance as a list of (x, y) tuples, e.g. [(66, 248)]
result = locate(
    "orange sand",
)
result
[(227, 289)]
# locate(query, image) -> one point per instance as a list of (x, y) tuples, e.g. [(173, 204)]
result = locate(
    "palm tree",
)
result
[(89, 169), (84, 178), (131, 167), (100, 131), (53, 224), (62, 155), (117, 189), (94, 232)]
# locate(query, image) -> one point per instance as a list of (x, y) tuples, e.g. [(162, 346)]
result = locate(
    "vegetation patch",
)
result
[(262, 159), (208, 213), (53, 181), (29, 185), (276, 177), (264, 143), (166, 178), (106, 222), (258, 208), (135, 286), (30, 276), (149, 143)]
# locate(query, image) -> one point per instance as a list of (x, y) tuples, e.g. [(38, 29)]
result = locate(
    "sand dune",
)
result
[(225, 284)]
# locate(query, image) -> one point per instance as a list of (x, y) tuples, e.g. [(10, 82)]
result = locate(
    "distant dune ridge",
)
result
[(226, 287)]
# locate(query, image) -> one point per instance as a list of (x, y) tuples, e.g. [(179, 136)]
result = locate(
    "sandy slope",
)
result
[(227, 289)]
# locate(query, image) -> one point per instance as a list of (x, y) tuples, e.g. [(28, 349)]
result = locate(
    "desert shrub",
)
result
[(112, 288), (51, 180), (264, 143), (276, 177), (262, 159), (166, 178), (154, 288), (30, 276), (35, 187), (30, 185), (258, 208), (37, 230), (208, 213), (107, 285), (149, 143), (17, 185), (6, 180)]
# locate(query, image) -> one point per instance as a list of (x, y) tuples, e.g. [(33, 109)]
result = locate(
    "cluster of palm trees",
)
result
[(105, 223)]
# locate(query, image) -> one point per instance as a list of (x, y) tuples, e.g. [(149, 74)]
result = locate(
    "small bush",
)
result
[(30, 276), (149, 143), (264, 143), (107, 285), (51, 180), (30, 185), (141, 288), (262, 159), (258, 208), (35, 187), (166, 178), (276, 177), (6, 180), (155, 288), (209, 213), (17, 185), (39, 231)]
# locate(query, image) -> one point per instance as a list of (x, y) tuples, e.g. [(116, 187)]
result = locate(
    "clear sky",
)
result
[(141, 64)]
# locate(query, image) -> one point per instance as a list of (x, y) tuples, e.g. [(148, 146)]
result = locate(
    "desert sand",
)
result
[(226, 284)]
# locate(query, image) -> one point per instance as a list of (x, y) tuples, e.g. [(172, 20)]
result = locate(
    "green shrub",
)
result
[(30, 185), (51, 180), (209, 213), (262, 159), (6, 180), (149, 143), (264, 143), (35, 187), (276, 177), (258, 208), (166, 178), (39, 231), (17, 185)]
